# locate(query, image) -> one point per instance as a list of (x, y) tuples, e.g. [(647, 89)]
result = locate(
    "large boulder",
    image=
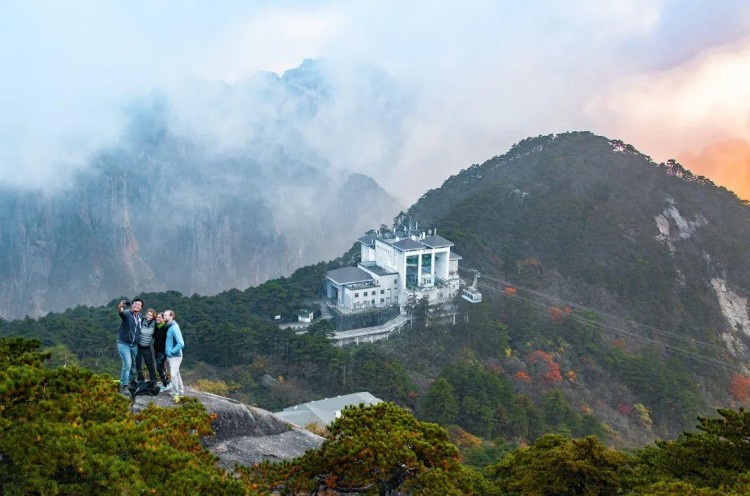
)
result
[(243, 434)]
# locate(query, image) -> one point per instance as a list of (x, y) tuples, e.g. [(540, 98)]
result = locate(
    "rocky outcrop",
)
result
[(673, 227), (734, 308), (244, 435)]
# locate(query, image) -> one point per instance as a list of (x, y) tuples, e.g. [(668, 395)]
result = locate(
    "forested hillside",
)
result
[(606, 279), (595, 220), (65, 430), (630, 276)]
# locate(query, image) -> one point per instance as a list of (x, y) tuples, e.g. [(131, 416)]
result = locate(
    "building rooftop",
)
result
[(349, 275), (325, 411), (407, 241), (368, 239), (362, 285), (407, 244), (455, 256), (376, 269), (436, 241)]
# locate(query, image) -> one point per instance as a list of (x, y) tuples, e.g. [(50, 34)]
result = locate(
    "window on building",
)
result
[(382, 300), (373, 301), (426, 263), (382, 291), (412, 266), (356, 295)]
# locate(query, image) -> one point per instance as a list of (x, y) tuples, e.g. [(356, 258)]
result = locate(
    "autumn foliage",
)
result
[(549, 369), (625, 409), (739, 387), (461, 438), (556, 315), (523, 376)]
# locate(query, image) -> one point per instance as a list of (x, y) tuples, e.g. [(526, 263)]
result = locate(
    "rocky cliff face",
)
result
[(56, 250), (170, 209), (113, 236)]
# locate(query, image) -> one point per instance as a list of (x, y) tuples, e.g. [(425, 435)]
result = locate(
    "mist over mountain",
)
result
[(615, 295), (222, 188)]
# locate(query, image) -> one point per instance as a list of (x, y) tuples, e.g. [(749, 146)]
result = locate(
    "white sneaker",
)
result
[(176, 398), (167, 387)]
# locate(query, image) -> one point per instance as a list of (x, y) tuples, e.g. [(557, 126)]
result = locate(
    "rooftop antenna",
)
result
[(411, 227)]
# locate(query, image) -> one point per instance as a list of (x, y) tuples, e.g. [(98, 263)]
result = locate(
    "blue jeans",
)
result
[(127, 355)]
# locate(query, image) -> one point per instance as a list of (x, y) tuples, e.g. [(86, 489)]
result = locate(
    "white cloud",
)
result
[(686, 107), (471, 78), (617, 19), (274, 40)]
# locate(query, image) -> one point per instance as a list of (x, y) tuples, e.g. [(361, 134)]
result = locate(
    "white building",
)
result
[(306, 316), (395, 268), (323, 412)]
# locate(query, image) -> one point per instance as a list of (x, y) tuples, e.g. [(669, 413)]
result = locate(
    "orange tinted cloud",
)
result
[(726, 163), (699, 106)]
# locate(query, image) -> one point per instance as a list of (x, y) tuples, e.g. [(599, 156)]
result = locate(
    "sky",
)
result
[(669, 77)]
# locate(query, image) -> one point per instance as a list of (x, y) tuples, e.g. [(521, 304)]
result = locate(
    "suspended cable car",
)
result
[(472, 294)]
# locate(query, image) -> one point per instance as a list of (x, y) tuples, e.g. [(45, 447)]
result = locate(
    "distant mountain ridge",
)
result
[(171, 209)]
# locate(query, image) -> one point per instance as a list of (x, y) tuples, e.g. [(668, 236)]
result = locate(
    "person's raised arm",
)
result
[(120, 307)]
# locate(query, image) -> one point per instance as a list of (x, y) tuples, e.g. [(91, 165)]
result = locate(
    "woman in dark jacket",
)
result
[(145, 338), (160, 339)]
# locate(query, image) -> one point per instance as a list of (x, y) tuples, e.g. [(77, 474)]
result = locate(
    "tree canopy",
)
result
[(68, 431), (380, 449)]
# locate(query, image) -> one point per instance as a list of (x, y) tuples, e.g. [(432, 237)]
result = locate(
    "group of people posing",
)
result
[(153, 339)]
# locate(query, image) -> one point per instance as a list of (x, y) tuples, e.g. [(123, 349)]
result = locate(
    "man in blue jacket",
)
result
[(173, 348), (127, 339)]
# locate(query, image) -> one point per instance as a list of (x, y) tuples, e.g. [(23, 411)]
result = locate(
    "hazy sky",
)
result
[(670, 77)]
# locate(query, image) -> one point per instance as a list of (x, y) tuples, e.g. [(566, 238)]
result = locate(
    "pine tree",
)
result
[(555, 465), (68, 431), (379, 449)]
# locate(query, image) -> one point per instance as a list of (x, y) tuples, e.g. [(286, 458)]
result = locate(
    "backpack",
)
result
[(143, 387)]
